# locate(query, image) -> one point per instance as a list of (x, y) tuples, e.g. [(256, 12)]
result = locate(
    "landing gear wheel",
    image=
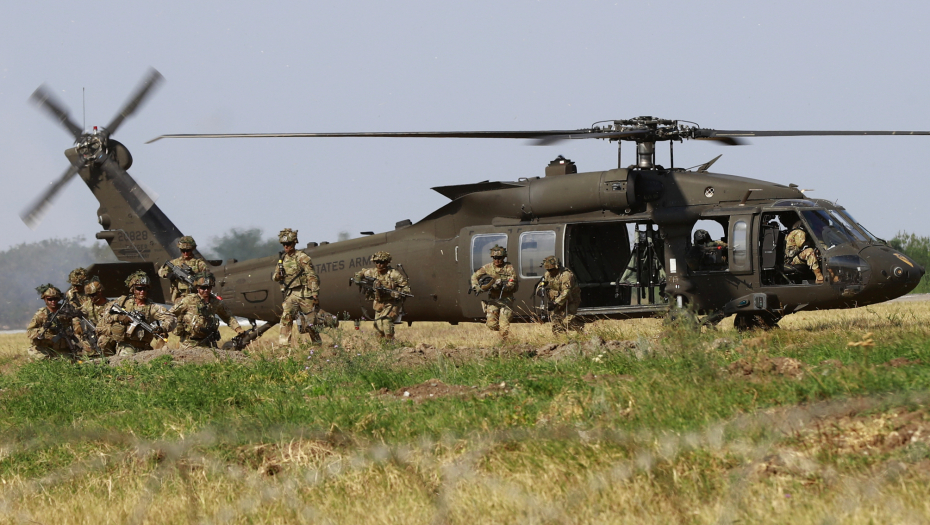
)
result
[(762, 320)]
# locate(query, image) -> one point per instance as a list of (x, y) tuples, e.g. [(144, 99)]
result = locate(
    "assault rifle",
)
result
[(371, 284), (546, 306), (60, 321), (242, 340), (179, 273), (136, 320)]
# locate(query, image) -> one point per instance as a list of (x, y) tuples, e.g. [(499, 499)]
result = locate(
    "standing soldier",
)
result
[(499, 279), (561, 290), (300, 286), (388, 288), (50, 336), (75, 295), (196, 314), (186, 262), (799, 250), (95, 312), (129, 337)]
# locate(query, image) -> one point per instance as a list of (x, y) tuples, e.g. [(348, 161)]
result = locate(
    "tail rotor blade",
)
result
[(150, 81), (43, 98), (33, 214)]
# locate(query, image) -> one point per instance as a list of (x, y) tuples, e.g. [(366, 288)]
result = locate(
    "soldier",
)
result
[(95, 312), (706, 253), (196, 314), (186, 262), (75, 294), (128, 337), (500, 287), (51, 336), (389, 297), (799, 250), (300, 285), (563, 294)]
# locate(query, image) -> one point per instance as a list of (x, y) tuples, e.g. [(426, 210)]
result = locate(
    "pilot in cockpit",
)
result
[(799, 249)]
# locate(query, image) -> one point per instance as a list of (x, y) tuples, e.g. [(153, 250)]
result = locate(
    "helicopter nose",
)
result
[(893, 274)]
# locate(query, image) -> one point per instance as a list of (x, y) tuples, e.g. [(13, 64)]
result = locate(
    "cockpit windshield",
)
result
[(848, 226), (826, 228), (862, 228)]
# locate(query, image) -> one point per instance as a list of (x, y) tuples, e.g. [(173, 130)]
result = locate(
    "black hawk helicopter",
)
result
[(626, 233)]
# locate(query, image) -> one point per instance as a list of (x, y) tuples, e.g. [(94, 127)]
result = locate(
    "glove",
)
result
[(238, 330), (124, 319), (497, 284), (395, 294)]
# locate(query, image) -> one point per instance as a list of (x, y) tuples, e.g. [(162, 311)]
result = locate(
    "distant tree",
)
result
[(242, 244), (25, 266), (918, 249)]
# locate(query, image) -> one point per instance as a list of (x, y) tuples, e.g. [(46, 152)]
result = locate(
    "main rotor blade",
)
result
[(552, 139), (43, 98), (150, 81), (577, 133), (128, 188), (719, 134), (32, 214)]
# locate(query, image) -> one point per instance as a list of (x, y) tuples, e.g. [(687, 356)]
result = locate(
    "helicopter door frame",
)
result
[(470, 305)]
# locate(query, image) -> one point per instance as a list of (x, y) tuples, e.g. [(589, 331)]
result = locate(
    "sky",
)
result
[(236, 66)]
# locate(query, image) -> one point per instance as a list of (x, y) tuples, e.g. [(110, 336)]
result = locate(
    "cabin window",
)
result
[(534, 247), (708, 247), (481, 245), (740, 244)]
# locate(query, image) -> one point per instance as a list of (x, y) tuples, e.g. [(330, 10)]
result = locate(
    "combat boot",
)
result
[(284, 336), (819, 275)]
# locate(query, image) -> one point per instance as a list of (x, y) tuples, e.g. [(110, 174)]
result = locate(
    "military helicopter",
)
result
[(625, 232)]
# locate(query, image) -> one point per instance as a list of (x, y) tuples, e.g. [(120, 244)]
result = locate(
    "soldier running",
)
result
[(563, 294), (48, 334), (130, 338), (186, 262), (389, 299), (301, 288), (196, 314), (501, 286)]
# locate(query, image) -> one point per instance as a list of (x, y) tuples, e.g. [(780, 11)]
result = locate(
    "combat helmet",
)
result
[(139, 278), (551, 262), (498, 251), (381, 256), (93, 287), (204, 279), (77, 276), (48, 291), (287, 236), (701, 237), (186, 243)]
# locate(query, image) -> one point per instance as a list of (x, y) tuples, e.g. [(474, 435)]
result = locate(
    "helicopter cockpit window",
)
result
[(534, 247), (481, 245), (862, 228), (847, 226), (825, 228)]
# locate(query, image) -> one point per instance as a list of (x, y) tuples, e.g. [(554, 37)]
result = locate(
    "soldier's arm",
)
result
[(35, 325), (178, 309), (313, 280), (565, 284), (513, 284), (223, 312), (164, 318), (477, 275)]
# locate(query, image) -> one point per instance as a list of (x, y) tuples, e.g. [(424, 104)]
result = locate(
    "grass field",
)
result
[(822, 421)]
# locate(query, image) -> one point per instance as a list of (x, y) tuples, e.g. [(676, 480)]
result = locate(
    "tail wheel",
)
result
[(753, 321)]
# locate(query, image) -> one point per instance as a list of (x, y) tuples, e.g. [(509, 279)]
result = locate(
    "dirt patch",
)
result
[(423, 353), (898, 362), (867, 434), (436, 389), (756, 368), (270, 459), (180, 356), (604, 379)]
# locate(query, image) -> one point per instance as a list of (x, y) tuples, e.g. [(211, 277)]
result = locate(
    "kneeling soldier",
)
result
[(49, 335), (75, 295), (500, 287), (129, 336), (387, 291), (95, 314), (564, 296), (188, 262), (300, 285), (196, 314)]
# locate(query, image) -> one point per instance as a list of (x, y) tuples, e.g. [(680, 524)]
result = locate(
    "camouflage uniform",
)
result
[(798, 251), (139, 339), (706, 253), (75, 295), (197, 320), (387, 307), (96, 314), (499, 305), (564, 296), (51, 342), (194, 265), (301, 288)]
